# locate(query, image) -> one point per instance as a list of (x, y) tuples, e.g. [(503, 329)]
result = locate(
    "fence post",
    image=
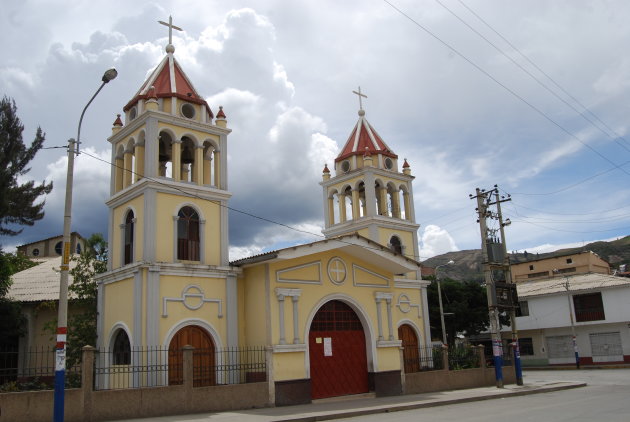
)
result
[(445, 357), (188, 374), (270, 382), (87, 380), (482, 355)]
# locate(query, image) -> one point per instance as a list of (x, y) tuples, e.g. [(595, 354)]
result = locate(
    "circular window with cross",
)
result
[(337, 270)]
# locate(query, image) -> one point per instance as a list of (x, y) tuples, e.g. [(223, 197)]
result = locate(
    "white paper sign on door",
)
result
[(327, 346)]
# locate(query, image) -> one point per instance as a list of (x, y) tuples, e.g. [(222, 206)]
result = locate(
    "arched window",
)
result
[(395, 244), (128, 230), (122, 349), (188, 235)]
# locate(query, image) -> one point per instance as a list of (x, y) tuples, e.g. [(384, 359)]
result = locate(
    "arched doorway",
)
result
[(203, 357), (337, 353), (411, 355)]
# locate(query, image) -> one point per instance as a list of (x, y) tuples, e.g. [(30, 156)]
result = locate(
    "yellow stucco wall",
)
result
[(167, 206), (388, 358), (288, 366), (252, 310), (119, 300), (213, 288), (385, 234), (120, 212)]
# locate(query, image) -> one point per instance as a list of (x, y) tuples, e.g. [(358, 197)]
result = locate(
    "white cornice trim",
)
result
[(289, 348)]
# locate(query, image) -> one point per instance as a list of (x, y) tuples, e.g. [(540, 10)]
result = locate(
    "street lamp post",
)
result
[(62, 317), (451, 262)]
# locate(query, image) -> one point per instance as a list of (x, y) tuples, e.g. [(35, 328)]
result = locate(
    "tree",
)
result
[(11, 318), (84, 291), (17, 200), (467, 303)]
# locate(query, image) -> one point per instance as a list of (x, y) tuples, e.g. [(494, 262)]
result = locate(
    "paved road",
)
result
[(606, 398)]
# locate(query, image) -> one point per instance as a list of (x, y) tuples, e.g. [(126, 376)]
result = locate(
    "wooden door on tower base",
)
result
[(204, 366)]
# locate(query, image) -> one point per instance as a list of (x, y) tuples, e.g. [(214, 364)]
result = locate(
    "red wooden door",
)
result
[(411, 354), (337, 352), (203, 357)]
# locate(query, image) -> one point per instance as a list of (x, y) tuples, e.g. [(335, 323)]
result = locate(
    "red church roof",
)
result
[(168, 80), (364, 140)]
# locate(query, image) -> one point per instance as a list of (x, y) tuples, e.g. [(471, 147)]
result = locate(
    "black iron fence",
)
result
[(154, 366), (33, 369)]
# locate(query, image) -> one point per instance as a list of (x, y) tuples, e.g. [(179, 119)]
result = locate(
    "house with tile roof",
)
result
[(595, 304)]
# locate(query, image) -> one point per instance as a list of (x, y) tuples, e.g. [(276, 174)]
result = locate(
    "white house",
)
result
[(600, 307)]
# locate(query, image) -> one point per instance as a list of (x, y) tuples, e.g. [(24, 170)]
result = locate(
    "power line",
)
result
[(570, 186), (194, 195), (514, 93), (543, 72)]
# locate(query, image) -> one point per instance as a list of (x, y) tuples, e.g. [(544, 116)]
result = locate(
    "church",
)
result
[(339, 316)]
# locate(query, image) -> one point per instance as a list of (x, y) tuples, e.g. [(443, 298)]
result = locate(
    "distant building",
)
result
[(574, 263), (52, 247), (553, 290)]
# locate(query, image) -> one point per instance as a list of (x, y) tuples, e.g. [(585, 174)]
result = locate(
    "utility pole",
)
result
[(573, 336), (501, 292), (507, 271)]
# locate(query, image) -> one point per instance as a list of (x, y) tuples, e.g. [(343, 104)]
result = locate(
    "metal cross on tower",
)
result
[(360, 95), (170, 28)]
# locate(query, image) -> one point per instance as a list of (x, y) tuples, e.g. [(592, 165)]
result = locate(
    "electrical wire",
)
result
[(249, 214), (542, 71), (541, 83), (505, 87)]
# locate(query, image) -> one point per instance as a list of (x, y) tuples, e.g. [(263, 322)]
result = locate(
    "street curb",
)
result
[(324, 416)]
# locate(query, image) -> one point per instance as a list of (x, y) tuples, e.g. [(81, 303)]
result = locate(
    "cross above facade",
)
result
[(360, 95), (170, 28)]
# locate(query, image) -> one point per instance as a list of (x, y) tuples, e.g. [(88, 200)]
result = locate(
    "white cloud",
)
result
[(435, 241)]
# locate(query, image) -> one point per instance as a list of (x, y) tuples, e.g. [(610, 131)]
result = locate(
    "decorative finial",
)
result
[(118, 121), (361, 112), (367, 152), (170, 48), (221, 114), (326, 169), (406, 164)]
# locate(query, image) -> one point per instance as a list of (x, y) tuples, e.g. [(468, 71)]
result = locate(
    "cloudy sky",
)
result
[(533, 96)]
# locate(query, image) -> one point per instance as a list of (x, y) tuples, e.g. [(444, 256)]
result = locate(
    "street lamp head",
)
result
[(109, 75)]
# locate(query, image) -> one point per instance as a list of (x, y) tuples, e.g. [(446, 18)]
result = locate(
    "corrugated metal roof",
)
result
[(38, 283), (578, 282)]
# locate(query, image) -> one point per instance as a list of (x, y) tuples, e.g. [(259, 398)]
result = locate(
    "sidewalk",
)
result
[(346, 407)]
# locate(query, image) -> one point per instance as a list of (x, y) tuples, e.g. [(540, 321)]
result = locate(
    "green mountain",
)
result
[(467, 264)]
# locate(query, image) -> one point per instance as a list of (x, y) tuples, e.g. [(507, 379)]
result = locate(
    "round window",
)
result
[(188, 110), (389, 163), (58, 247), (35, 252), (345, 166), (133, 113)]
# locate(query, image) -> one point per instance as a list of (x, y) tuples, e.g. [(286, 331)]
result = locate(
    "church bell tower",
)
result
[(368, 194), (168, 217)]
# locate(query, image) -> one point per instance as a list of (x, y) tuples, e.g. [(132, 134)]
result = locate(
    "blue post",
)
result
[(60, 383), (517, 362), (497, 352)]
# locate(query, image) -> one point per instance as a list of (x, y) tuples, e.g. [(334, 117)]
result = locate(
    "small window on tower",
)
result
[(133, 113), (188, 110), (345, 166), (389, 163)]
